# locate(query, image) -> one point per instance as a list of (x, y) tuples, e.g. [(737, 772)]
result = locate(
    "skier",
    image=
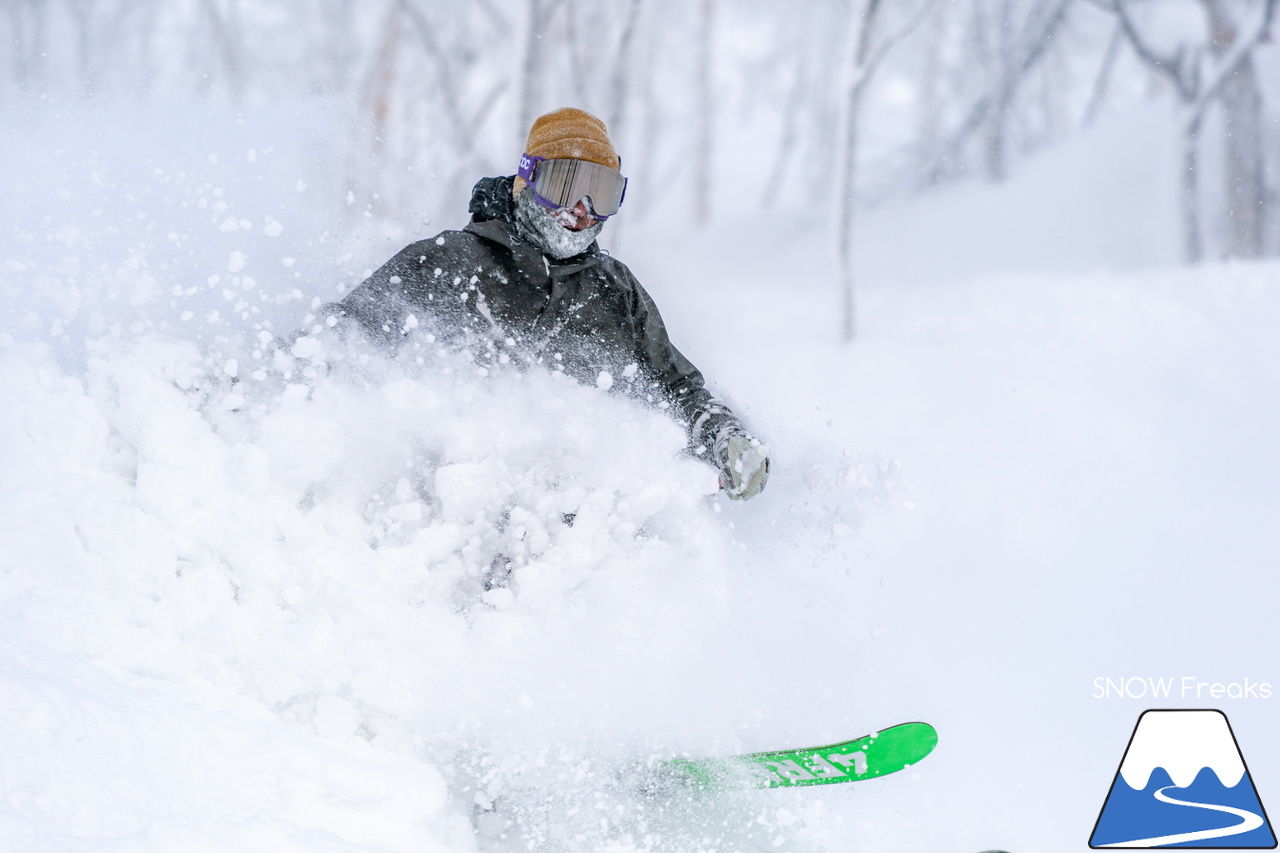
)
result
[(527, 280)]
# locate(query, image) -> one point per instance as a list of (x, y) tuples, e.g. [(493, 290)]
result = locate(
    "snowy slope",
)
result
[(242, 613)]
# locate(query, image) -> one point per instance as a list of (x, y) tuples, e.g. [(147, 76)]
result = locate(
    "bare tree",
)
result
[(800, 83), (340, 49), (1015, 54), (381, 88), (460, 121), (443, 66), (1102, 82), (428, 76), (867, 55), (1244, 170), (125, 43), (28, 20), (929, 129), (224, 24), (531, 65), (578, 66), (1198, 81), (1000, 61), (1011, 62), (706, 113), (620, 80), (82, 12)]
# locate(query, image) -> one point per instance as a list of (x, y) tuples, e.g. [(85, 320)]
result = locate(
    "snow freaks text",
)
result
[(1187, 687)]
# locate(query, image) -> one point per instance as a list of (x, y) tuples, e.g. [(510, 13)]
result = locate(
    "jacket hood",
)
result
[(491, 199)]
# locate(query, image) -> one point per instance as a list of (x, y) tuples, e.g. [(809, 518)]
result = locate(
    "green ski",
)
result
[(886, 751)]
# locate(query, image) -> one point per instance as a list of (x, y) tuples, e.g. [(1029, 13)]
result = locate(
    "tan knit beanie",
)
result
[(569, 134)]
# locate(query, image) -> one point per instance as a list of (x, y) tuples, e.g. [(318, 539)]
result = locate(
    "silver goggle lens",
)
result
[(563, 183)]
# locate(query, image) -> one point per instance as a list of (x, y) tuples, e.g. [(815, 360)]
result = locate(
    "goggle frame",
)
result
[(531, 170)]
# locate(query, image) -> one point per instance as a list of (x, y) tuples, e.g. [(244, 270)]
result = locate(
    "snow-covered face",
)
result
[(576, 218), (563, 234)]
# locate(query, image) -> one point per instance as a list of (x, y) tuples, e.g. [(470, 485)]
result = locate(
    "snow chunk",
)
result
[(236, 262), (306, 347), (335, 718), (819, 481), (467, 488), (499, 599)]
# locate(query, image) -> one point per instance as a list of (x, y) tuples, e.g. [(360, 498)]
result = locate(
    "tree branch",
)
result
[(866, 65), (1239, 49), (444, 74), (1171, 66), (1104, 76), (1040, 43), (978, 113)]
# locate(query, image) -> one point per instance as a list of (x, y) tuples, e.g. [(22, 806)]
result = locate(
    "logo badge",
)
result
[(1183, 783)]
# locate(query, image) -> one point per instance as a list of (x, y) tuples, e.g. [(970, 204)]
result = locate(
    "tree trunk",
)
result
[(82, 13), (339, 51), (384, 78), (706, 115), (1192, 246), (620, 83), (787, 142), (1001, 86), (932, 98), (1245, 189), (226, 35), (1103, 80), (848, 184), (27, 18), (530, 72), (849, 167)]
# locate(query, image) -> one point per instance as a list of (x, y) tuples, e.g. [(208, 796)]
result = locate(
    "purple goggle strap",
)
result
[(529, 171)]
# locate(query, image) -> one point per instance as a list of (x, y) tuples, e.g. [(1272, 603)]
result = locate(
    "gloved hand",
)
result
[(744, 467)]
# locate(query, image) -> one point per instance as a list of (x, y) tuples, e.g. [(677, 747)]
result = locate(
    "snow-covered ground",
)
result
[(240, 611)]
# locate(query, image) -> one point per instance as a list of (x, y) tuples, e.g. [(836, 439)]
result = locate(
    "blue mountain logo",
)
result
[(1183, 783)]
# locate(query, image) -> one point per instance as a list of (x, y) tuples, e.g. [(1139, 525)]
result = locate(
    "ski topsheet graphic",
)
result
[(886, 751), (1183, 783)]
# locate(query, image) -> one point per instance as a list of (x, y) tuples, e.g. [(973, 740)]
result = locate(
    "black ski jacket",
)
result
[(487, 289)]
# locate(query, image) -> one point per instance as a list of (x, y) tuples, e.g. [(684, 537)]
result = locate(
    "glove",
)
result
[(744, 466)]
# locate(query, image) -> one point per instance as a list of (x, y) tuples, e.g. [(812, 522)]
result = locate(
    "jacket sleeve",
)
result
[(384, 302), (708, 421)]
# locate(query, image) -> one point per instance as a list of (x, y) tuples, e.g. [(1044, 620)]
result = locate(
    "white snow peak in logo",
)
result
[(1183, 782)]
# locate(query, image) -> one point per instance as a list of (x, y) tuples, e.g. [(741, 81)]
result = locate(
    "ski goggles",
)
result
[(561, 184)]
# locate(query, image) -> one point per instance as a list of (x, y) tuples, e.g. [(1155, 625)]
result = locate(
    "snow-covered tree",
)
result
[(1213, 68)]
